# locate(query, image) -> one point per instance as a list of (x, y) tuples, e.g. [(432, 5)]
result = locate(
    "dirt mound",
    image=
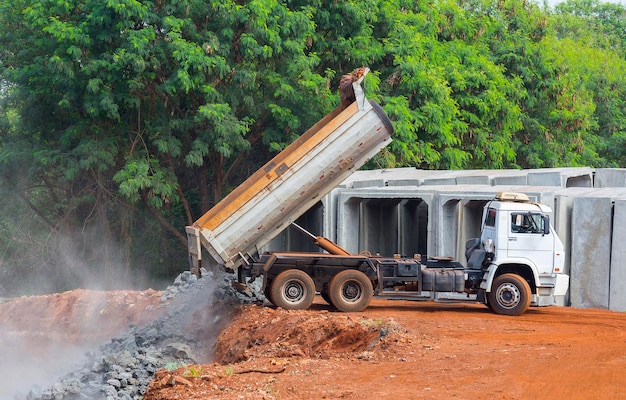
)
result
[(266, 332), (433, 351), (78, 316), (262, 341)]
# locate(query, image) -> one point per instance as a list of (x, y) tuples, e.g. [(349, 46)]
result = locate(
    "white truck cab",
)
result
[(519, 241)]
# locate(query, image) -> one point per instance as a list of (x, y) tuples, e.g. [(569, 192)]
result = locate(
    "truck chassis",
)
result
[(348, 282)]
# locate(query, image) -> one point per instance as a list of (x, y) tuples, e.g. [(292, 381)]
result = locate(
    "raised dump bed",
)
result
[(290, 184)]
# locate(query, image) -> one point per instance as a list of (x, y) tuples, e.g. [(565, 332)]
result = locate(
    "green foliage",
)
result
[(591, 43), (194, 371), (141, 115)]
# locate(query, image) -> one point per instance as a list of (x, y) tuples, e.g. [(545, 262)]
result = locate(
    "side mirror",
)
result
[(546, 224), (489, 246)]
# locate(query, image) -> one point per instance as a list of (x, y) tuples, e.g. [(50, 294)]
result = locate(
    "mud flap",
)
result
[(481, 296)]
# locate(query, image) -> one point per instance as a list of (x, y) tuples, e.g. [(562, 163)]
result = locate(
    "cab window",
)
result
[(526, 223), (490, 219)]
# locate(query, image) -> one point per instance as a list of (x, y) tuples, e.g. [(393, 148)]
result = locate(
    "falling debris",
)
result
[(346, 90)]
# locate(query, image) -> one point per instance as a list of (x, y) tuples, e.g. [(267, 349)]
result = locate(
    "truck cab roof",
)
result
[(511, 201)]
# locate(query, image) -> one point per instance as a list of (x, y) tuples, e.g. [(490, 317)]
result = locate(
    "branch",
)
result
[(179, 190), (164, 222), (37, 210), (254, 137)]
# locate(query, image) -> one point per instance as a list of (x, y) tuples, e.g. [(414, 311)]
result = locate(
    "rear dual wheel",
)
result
[(292, 290), (350, 291)]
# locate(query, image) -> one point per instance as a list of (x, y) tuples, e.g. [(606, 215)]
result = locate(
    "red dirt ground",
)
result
[(426, 351), (430, 351), (80, 317)]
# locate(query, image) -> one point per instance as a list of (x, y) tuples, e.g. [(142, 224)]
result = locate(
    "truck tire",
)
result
[(510, 295), (292, 290), (350, 291)]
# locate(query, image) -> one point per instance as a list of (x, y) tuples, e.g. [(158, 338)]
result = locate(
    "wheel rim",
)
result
[(508, 295), (351, 291), (294, 291)]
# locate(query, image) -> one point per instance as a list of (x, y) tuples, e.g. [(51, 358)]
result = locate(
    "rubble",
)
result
[(124, 366)]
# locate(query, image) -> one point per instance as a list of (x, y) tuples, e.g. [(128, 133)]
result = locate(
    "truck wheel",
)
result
[(510, 295), (292, 290), (350, 291)]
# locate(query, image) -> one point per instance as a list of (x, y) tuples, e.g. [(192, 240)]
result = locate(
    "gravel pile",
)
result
[(123, 367)]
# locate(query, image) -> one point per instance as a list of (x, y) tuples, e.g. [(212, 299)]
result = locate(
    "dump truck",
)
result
[(518, 260)]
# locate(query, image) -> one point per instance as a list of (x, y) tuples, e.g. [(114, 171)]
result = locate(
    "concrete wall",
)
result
[(610, 177), (591, 252), (617, 294)]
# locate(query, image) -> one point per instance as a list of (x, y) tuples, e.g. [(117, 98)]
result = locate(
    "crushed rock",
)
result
[(123, 367)]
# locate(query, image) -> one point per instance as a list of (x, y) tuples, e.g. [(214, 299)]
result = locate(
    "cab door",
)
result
[(528, 240)]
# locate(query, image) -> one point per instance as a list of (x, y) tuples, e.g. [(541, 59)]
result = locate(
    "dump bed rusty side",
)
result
[(291, 183)]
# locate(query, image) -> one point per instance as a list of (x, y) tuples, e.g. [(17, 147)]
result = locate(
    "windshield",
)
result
[(526, 223)]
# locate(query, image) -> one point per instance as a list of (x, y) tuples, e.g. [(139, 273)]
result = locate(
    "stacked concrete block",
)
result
[(386, 220), (617, 294), (293, 240), (610, 177), (517, 180), (473, 180), (457, 219), (368, 183), (591, 252), (440, 181), (556, 177), (561, 221), (403, 182), (545, 178), (561, 177)]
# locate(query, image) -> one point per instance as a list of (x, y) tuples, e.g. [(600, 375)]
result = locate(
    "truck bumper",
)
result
[(553, 294)]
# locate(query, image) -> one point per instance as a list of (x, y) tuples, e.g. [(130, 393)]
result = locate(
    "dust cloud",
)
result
[(26, 362), (46, 338)]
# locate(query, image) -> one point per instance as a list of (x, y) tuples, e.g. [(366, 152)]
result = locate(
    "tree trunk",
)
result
[(180, 192), (218, 176), (203, 190), (165, 223), (185, 203)]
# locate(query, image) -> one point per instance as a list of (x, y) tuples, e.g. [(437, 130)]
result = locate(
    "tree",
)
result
[(590, 39), (124, 121), (450, 102), (150, 107)]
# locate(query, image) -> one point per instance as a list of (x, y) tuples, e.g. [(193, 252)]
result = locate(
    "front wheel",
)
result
[(510, 295), (292, 290), (350, 291)]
